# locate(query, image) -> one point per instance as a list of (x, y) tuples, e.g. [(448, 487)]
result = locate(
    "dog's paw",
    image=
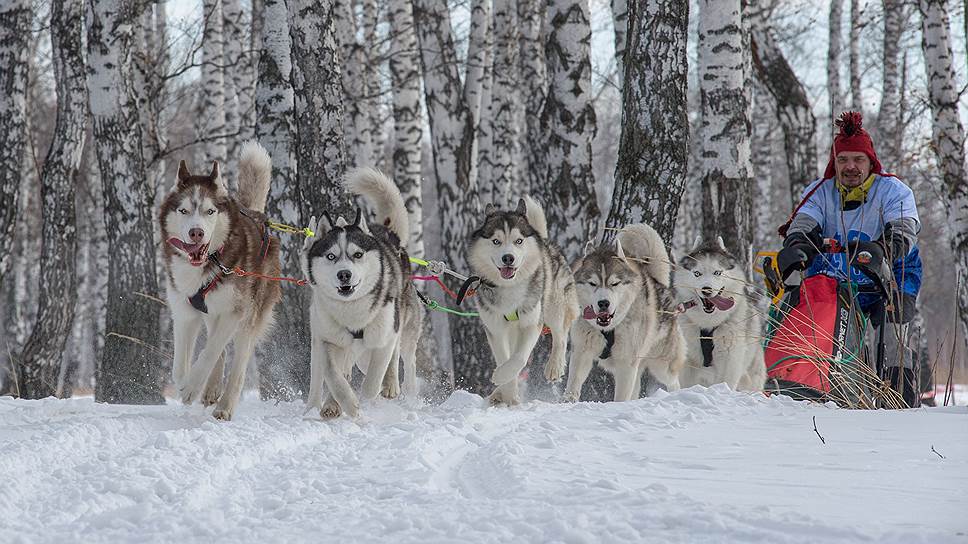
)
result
[(188, 394), (570, 396), (554, 371), (499, 398), (211, 396), (504, 373), (222, 414), (330, 410), (391, 389)]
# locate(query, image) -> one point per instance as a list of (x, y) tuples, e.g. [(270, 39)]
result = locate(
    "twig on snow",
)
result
[(822, 441), (936, 452)]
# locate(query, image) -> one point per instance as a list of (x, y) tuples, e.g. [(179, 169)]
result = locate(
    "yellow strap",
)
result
[(419, 262), (282, 227)]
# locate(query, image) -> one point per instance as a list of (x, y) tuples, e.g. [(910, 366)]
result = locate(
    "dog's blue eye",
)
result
[(718, 273), (330, 256), (696, 273), (518, 242), (496, 242)]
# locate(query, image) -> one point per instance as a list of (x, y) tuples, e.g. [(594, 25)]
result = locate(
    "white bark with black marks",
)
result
[(620, 22), (834, 90), (792, 105), (653, 151), (15, 19), (40, 362), (505, 112), (235, 77), (569, 122), (856, 24), (888, 129), (128, 371), (211, 117), (727, 170), (948, 136), (358, 132), (533, 88)]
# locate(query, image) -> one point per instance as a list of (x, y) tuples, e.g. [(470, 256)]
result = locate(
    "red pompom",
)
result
[(850, 123)]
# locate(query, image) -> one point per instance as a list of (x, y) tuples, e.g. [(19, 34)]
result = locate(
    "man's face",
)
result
[(852, 167)]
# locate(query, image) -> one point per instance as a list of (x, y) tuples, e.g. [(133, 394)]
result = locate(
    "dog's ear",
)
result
[(489, 209), (183, 175), (340, 222), (696, 243), (589, 247), (216, 177), (522, 207), (310, 240), (324, 225), (360, 221), (722, 245)]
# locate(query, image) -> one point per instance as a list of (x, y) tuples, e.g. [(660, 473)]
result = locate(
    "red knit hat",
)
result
[(852, 137)]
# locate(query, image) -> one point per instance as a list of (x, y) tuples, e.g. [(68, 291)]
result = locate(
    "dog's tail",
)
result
[(255, 171), (640, 241), (536, 216), (383, 195)]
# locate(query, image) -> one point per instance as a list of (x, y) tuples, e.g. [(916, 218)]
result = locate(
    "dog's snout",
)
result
[(707, 291), (603, 304), (197, 235), (344, 276), (508, 259)]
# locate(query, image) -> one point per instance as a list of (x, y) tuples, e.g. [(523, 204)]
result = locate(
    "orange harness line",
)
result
[(239, 272)]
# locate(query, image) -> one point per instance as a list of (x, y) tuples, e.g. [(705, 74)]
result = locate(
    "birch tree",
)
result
[(504, 114), (15, 18), (834, 92), (653, 150), (128, 369), (452, 136), (358, 127), (533, 88), (726, 168), (792, 105), (40, 362), (569, 122), (276, 131), (856, 25), (948, 136), (620, 21), (234, 76), (211, 100), (407, 118), (475, 80), (888, 127)]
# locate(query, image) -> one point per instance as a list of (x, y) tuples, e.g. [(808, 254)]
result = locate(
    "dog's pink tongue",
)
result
[(188, 248), (589, 313), (507, 272), (721, 302)]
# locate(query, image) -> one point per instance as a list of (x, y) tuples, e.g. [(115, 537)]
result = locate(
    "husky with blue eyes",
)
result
[(628, 320), (721, 326), (526, 285), (365, 310)]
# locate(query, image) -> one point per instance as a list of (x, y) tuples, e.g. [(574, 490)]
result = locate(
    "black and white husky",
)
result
[(526, 285), (628, 321), (364, 310), (721, 325)]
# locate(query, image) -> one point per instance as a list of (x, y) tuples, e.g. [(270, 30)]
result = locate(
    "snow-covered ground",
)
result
[(699, 465)]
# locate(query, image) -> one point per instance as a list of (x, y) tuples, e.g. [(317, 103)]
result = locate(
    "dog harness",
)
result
[(198, 299), (706, 345), (609, 342)]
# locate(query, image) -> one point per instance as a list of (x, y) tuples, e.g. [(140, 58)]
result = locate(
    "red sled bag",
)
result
[(814, 351)]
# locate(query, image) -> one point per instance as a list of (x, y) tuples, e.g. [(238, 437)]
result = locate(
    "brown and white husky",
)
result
[(206, 233)]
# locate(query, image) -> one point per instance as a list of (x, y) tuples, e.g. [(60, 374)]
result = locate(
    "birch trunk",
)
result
[(505, 113), (792, 107), (478, 59), (452, 136), (948, 136), (888, 127), (727, 170), (856, 96), (280, 362), (40, 362), (834, 92), (15, 19), (620, 21), (212, 128), (653, 150), (569, 121), (534, 88), (128, 371), (234, 76), (358, 127)]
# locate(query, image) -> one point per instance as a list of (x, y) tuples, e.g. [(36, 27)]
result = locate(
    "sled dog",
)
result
[(364, 307), (628, 324), (721, 326), (206, 233), (526, 285)]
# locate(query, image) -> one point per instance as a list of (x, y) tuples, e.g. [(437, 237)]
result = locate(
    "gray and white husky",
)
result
[(526, 285), (364, 308), (206, 233), (628, 321), (721, 325)]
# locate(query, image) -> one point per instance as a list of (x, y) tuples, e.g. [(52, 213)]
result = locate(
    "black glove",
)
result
[(798, 250)]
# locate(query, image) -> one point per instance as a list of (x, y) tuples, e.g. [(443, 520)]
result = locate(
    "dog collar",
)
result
[(513, 316), (609, 342), (706, 345)]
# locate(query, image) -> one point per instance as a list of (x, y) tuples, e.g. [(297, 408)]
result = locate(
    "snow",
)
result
[(698, 465)]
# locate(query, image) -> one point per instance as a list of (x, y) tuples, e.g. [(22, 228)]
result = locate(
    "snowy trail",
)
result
[(699, 465)]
